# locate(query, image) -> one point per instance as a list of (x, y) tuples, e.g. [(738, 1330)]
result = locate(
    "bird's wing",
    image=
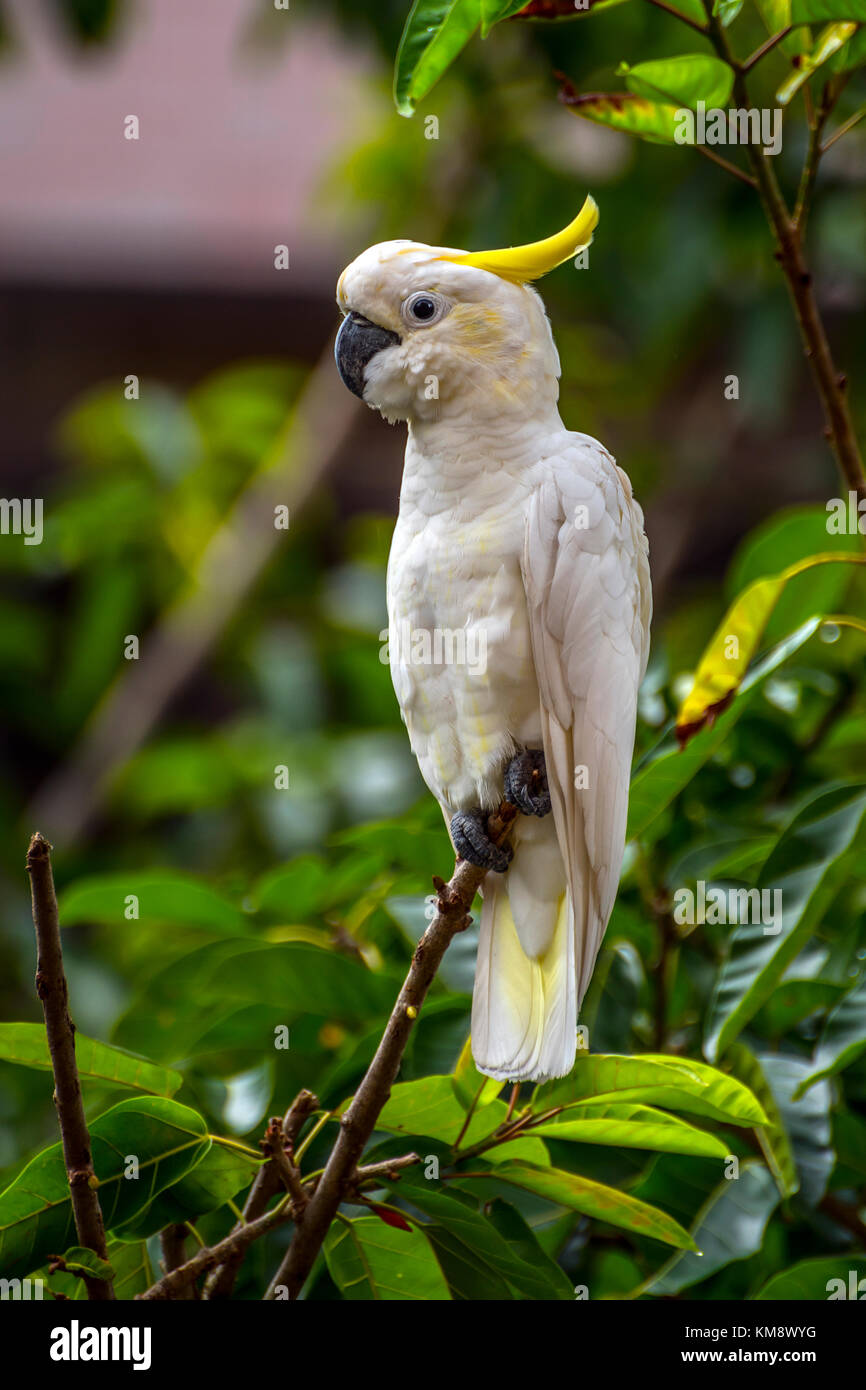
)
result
[(586, 572)]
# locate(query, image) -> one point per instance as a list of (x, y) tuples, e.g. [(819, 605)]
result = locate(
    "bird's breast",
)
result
[(459, 649)]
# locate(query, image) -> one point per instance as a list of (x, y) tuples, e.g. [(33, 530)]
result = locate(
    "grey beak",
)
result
[(357, 341)]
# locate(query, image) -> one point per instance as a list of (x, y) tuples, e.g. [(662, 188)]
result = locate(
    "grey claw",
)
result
[(472, 842), (525, 783)]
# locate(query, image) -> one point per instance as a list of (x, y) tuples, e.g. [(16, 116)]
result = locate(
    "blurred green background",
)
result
[(259, 648)]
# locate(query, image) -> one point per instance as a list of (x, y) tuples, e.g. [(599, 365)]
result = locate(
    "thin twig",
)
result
[(843, 129), (267, 1184), (677, 14), (727, 165), (53, 992), (830, 382), (765, 48), (817, 121), (452, 915), (171, 1285), (172, 1241)]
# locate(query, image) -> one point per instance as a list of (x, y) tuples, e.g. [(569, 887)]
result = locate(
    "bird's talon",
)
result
[(472, 842), (525, 783)]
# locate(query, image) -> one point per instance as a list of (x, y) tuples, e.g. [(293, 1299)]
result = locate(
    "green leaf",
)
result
[(671, 1082), (685, 80), (435, 32), (167, 1140), (829, 42), (669, 770), (132, 1273), (79, 1260), (163, 898), (524, 1242), (842, 1041), (727, 10), (853, 55), (805, 869), (632, 1127), (792, 1001), (431, 1107), (541, 1279), (773, 1137), (27, 1046), (596, 1200), (818, 1280), (494, 11), (729, 1227), (806, 1121), (219, 1177), (192, 994), (776, 15), (815, 11), (369, 1260), (470, 1085)]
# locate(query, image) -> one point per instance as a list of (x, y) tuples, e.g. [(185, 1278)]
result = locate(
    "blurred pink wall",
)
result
[(233, 143)]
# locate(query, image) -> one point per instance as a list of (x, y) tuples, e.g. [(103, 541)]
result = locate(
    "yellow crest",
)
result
[(520, 263)]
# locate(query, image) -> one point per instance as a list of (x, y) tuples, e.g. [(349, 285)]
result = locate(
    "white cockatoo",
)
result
[(519, 608)]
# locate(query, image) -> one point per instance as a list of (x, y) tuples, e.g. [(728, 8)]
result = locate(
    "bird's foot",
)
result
[(526, 783), (472, 842)]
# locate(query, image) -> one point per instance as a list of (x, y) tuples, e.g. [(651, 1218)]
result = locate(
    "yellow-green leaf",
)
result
[(829, 41), (655, 121), (735, 643), (596, 1200)]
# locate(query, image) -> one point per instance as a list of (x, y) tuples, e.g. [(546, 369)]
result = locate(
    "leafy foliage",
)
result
[(229, 943)]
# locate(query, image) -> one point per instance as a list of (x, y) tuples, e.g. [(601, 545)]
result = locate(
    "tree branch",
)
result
[(279, 1135), (831, 383), (172, 1285), (677, 14), (172, 1242), (53, 992), (454, 902), (765, 48)]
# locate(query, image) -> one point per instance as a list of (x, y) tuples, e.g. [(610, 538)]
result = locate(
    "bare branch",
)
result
[(454, 902), (279, 1136), (53, 992), (765, 48), (172, 1285), (829, 381)]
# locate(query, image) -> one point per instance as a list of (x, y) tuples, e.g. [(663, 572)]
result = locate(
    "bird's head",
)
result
[(430, 330)]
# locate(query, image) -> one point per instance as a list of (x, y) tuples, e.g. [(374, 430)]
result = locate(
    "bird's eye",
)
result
[(423, 308)]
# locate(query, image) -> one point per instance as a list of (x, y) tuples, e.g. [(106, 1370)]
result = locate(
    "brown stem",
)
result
[(810, 164), (843, 129), (172, 1285), (677, 14), (268, 1182), (844, 1215), (765, 48), (53, 992), (726, 165), (831, 384), (452, 915), (172, 1242)]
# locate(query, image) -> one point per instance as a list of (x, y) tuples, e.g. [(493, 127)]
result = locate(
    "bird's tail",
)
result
[(524, 1006)]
